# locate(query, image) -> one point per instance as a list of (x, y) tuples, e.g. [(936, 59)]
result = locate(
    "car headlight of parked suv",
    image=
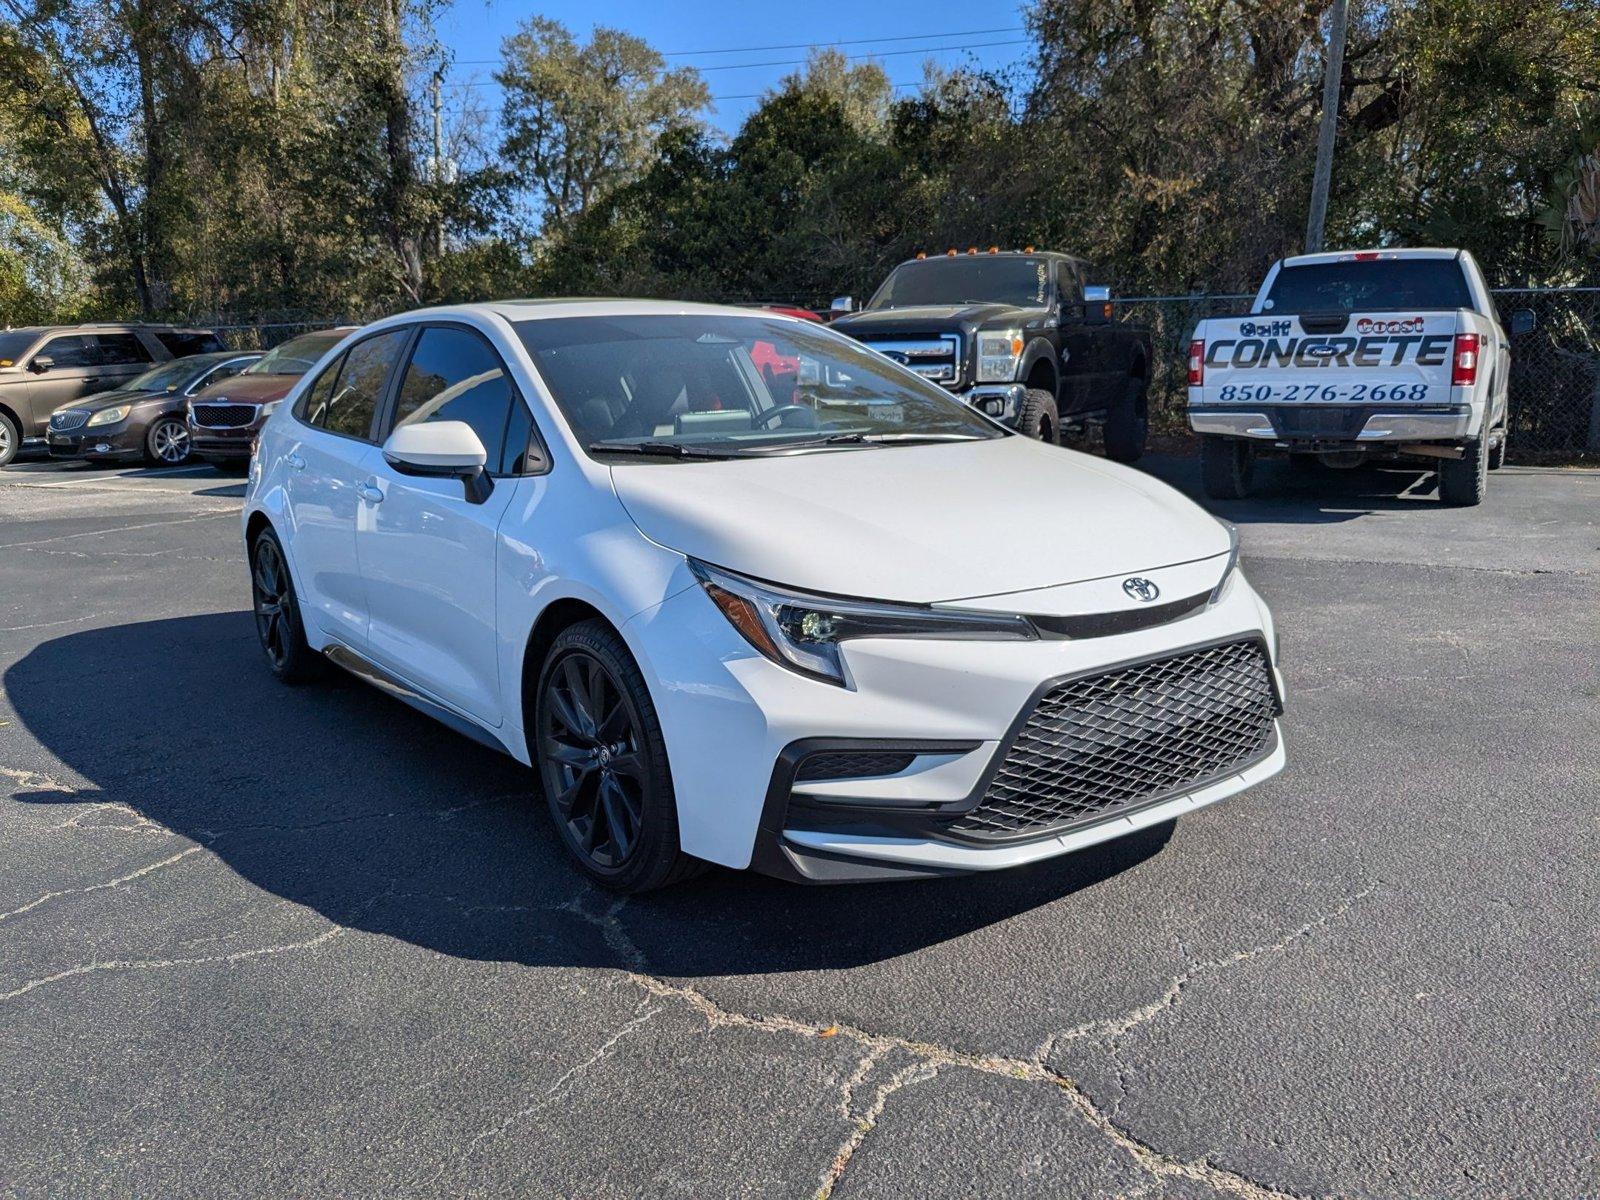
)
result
[(999, 352), (110, 416), (803, 632)]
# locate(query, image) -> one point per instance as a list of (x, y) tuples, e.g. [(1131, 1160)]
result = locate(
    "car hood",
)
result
[(920, 524), (928, 316), (101, 400), (248, 389)]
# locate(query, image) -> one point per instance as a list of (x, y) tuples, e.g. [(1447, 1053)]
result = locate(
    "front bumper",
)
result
[(1343, 425), (736, 725), (103, 443), (208, 441), (1002, 401)]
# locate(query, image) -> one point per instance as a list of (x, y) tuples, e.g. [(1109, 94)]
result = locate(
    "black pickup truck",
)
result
[(1019, 336)]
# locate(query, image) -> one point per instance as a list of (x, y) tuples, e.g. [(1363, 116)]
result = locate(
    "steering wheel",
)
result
[(763, 420)]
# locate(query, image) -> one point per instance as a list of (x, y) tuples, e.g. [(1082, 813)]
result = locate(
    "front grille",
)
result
[(1100, 743), (224, 416), (72, 418), (936, 357), (852, 764)]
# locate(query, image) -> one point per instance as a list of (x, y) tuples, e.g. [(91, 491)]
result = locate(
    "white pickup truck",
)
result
[(1343, 356)]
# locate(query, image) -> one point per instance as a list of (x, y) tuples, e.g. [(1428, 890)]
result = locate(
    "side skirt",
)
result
[(370, 672)]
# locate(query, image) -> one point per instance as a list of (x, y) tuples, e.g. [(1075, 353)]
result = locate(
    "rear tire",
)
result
[(277, 611), (1226, 467), (1463, 481), (10, 439), (602, 762), (1497, 451), (1128, 424), (1038, 417)]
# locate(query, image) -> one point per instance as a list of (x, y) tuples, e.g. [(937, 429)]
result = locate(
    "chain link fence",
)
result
[(1555, 370)]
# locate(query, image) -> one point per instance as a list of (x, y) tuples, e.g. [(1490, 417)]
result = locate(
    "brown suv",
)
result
[(46, 366), (225, 418)]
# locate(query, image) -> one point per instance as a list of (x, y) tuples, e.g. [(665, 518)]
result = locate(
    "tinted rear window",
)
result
[(1378, 286), (181, 342)]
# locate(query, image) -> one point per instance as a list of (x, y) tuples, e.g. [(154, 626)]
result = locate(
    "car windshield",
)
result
[(968, 279), (297, 356), (1382, 285), (169, 376), (712, 385), (14, 343)]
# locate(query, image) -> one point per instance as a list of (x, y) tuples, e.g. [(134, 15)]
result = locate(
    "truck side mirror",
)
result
[(1522, 321), (842, 306), (41, 363), (1096, 304)]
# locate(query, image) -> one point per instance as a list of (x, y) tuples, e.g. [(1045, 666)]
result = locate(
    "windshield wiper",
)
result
[(863, 439), (659, 450)]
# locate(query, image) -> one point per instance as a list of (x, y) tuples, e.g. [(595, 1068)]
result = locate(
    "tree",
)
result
[(580, 120)]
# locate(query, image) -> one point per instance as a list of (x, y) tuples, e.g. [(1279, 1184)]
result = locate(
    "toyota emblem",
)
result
[(1141, 590)]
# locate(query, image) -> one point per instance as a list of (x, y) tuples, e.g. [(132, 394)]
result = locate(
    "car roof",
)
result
[(1339, 256), (1053, 255), (551, 307)]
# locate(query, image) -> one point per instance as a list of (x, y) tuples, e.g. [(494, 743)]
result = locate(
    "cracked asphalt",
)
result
[(258, 941)]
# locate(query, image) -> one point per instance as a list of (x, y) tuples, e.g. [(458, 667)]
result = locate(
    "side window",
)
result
[(121, 349), (217, 374), (1067, 289), (313, 406), (183, 342), (455, 375), (350, 406), (70, 351)]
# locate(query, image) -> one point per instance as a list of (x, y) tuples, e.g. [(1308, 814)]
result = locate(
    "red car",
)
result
[(779, 370)]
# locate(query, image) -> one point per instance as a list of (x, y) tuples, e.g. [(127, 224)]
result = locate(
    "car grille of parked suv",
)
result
[(224, 416), (72, 418), (936, 356), (1101, 743)]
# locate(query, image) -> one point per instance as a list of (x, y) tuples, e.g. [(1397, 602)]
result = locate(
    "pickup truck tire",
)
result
[(1127, 425), (1038, 417), (1464, 480), (1497, 450), (1226, 467)]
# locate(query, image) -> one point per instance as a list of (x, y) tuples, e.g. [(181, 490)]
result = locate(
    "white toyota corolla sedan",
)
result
[(745, 592)]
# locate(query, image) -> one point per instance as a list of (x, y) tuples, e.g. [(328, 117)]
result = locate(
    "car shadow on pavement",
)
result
[(1309, 495), (342, 800)]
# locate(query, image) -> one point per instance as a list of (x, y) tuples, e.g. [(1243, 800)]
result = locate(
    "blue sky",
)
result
[(475, 28)]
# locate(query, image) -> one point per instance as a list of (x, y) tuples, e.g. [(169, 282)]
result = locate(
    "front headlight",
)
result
[(803, 632), (999, 351), (110, 416)]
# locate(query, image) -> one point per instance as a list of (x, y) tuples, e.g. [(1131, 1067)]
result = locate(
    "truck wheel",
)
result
[(1037, 417), (10, 439), (1226, 465), (1127, 425), (1497, 451), (1464, 480)]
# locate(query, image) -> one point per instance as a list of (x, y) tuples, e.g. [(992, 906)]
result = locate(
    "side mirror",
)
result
[(1522, 321), (41, 363), (441, 450), (842, 305), (1097, 303)]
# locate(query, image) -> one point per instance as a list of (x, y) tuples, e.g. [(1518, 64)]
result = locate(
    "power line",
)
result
[(911, 37), (800, 62)]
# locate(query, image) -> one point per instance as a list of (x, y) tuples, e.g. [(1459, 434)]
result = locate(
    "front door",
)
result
[(328, 455), (73, 373), (427, 552)]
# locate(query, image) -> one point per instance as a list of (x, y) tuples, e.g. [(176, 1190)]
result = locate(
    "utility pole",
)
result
[(1333, 70)]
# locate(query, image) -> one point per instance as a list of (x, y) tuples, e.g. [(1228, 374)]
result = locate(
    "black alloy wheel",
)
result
[(594, 771), (277, 613)]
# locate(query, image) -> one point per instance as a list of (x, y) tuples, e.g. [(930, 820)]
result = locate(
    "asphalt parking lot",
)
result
[(262, 941)]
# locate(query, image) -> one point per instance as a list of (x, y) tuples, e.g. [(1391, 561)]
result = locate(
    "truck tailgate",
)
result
[(1365, 358)]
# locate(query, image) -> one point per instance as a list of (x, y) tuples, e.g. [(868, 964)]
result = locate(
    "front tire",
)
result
[(167, 443), (603, 763), (1128, 425), (1226, 467), (10, 439), (1038, 417), (1463, 481), (1497, 451), (277, 611)]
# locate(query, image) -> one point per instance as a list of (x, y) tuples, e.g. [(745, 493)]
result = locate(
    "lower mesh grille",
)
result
[(1103, 742), (852, 764), (224, 416)]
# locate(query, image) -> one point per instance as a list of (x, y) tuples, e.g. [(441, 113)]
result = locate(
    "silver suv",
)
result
[(45, 366)]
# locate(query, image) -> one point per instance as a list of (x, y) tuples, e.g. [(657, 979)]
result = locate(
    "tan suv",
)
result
[(46, 366)]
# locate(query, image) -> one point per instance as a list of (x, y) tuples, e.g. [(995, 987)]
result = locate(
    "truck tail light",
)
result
[(1464, 371), (1197, 362)]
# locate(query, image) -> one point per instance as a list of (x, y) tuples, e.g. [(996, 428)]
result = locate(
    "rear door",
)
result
[(328, 456), (427, 553)]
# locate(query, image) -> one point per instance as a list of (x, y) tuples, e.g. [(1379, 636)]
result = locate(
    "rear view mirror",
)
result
[(1096, 303), (441, 450), (842, 305), (1522, 321), (41, 363)]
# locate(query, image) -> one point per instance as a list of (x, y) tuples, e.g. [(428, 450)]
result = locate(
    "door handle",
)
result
[(295, 462), (370, 492)]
